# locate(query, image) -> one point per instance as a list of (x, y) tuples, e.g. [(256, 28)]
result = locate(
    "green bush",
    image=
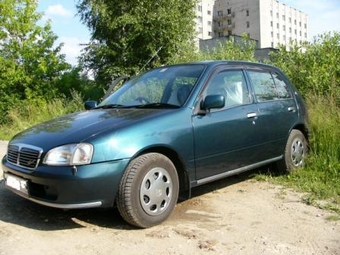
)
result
[(313, 67)]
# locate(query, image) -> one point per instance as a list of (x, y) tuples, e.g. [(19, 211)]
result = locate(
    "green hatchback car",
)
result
[(159, 135)]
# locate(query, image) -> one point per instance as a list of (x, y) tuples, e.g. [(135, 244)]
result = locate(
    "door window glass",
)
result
[(281, 87), (231, 85), (264, 86)]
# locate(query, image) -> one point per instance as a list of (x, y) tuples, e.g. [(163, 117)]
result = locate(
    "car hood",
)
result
[(81, 126)]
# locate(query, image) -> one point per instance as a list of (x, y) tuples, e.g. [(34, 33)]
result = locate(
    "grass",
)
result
[(27, 115), (320, 178)]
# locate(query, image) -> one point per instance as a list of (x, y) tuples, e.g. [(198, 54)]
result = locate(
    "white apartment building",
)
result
[(205, 19), (269, 22)]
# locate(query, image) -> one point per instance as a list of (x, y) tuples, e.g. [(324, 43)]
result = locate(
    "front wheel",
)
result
[(295, 151), (148, 191)]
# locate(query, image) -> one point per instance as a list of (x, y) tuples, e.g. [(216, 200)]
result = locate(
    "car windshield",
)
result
[(165, 87)]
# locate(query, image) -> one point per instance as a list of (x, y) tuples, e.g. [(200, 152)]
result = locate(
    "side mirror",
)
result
[(213, 102), (90, 104)]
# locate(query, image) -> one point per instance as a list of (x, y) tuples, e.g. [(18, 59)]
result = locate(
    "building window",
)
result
[(278, 36), (271, 13), (199, 19), (247, 13), (229, 32), (306, 35), (290, 20), (295, 31), (199, 8), (209, 12), (290, 30), (284, 28), (229, 11), (220, 34), (209, 33), (220, 13), (277, 15), (300, 33), (305, 26), (209, 23), (272, 34), (220, 24), (278, 25), (300, 23), (248, 24), (271, 23), (284, 17), (294, 21)]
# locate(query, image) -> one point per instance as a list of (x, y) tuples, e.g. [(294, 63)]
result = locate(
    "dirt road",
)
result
[(233, 216)]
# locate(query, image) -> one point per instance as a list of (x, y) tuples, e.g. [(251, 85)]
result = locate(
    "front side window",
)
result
[(231, 84)]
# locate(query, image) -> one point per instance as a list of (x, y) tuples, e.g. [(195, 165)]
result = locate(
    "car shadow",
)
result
[(19, 211)]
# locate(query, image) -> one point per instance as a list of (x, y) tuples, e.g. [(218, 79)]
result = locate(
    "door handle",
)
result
[(291, 109), (251, 115)]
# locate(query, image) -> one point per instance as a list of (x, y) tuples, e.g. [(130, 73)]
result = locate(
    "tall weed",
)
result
[(29, 113), (321, 175)]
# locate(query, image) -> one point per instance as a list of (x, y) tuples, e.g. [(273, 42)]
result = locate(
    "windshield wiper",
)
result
[(108, 106), (158, 105)]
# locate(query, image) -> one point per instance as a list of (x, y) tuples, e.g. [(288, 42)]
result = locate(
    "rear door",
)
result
[(276, 107)]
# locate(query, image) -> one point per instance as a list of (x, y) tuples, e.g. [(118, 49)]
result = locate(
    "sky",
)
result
[(323, 16)]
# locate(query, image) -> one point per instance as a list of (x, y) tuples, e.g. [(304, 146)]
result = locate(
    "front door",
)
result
[(226, 139)]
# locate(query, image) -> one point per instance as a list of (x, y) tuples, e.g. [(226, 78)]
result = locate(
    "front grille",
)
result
[(24, 155)]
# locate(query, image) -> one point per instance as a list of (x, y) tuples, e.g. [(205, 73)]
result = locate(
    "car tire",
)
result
[(148, 191), (295, 152)]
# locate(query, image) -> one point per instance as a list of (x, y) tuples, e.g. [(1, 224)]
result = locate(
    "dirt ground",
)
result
[(237, 215)]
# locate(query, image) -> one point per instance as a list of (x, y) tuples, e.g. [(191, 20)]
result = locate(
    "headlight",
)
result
[(71, 154)]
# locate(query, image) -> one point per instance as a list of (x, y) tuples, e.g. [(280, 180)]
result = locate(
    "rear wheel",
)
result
[(148, 191), (295, 152)]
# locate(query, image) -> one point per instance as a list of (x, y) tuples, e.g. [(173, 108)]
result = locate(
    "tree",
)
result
[(29, 63), (128, 36)]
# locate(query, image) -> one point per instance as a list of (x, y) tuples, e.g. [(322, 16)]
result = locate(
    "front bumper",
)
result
[(67, 187)]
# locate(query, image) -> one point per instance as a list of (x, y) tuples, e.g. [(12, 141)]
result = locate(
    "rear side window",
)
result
[(281, 86), (268, 86)]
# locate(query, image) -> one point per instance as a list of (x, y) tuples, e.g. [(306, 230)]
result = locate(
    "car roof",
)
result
[(213, 63)]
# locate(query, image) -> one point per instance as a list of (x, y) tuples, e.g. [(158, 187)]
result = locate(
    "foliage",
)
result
[(228, 50), (128, 36), (321, 176), (29, 64), (26, 114), (75, 80), (313, 67)]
